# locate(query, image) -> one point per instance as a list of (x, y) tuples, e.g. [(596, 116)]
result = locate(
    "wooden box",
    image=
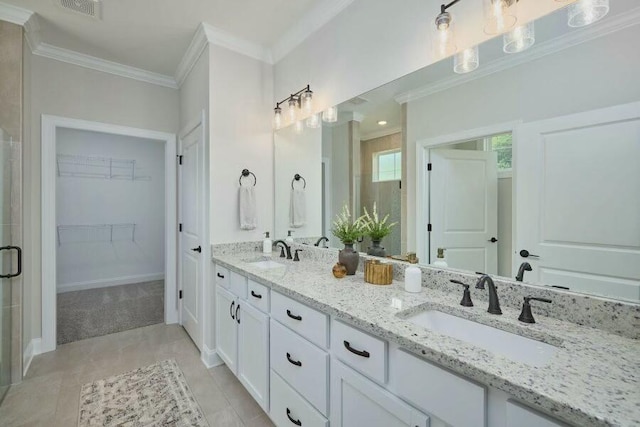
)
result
[(377, 273)]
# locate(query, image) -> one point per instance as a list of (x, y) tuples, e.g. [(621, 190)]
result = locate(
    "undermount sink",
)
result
[(266, 264), (512, 346)]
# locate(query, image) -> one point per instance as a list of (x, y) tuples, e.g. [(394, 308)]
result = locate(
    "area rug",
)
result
[(156, 395)]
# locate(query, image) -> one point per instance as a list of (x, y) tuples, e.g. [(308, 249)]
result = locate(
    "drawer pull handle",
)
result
[(362, 353), (238, 314), (293, 316), (233, 303), (293, 362), (296, 422), (220, 275), (253, 294)]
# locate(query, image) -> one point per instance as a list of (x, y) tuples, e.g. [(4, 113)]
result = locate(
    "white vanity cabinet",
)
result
[(227, 328), (521, 416), (357, 401), (253, 353)]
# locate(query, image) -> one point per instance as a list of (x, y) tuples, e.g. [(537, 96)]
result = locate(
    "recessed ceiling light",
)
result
[(382, 122)]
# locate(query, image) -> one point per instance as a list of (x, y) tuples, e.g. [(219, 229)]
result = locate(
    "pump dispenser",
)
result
[(267, 244), (441, 261), (289, 238)]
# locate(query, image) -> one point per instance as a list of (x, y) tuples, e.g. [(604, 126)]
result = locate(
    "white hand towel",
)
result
[(298, 210), (248, 219)]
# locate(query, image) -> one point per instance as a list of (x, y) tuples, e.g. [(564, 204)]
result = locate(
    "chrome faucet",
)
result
[(525, 266), (494, 304), (320, 240), (285, 247)]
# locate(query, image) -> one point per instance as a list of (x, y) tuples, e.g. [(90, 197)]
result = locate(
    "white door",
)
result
[(357, 402), (191, 213), (227, 328), (578, 201), (253, 353), (463, 208)]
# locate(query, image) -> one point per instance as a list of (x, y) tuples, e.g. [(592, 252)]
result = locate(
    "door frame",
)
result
[(423, 147), (203, 324), (50, 124)]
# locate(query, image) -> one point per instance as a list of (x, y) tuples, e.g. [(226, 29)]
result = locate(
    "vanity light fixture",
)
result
[(445, 34), (520, 38), (301, 100), (294, 106), (330, 115), (466, 61), (313, 121), (299, 127), (277, 118), (499, 15), (585, 12)]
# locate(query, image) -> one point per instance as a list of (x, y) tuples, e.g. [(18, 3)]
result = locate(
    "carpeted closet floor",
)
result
[(96, 312)]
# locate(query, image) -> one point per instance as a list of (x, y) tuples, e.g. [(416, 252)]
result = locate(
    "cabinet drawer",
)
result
[(238, 284), (453, 399), (303, 365), (360, 350), (310, 323), (221, 275), (521, 416), (288, 408), (258, 296)]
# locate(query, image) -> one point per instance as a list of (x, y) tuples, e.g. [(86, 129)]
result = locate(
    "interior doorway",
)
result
[(92, 234)]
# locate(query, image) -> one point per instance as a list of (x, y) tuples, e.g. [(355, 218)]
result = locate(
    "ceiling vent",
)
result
[(91, 8), (358, 100)]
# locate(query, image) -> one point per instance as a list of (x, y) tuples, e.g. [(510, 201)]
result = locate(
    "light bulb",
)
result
[(293, 109), (445, 43), (299, 127), (307, 101), (313, 121), (520, 38), (499, 15), (330, 115), (585, 12), (277, 118), (466, 61)]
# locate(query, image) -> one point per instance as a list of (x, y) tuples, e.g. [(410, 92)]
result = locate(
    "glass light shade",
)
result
[(277, 118), (499, 15), (293, 110), (313, 121), (585, 12), (299, 127), (520, 38), (466, 61), (330, 115), (445, 40), (307, 101)]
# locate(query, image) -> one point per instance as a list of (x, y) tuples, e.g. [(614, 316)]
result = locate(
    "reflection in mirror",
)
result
[(532, 158)]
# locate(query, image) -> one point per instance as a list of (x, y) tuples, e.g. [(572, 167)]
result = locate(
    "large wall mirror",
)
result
[(532, 158)]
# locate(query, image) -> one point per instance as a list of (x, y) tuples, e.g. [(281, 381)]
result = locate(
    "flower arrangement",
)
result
[(375, 228), (345, 229)]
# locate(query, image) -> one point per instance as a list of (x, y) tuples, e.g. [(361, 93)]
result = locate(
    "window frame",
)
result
[(375, 167)]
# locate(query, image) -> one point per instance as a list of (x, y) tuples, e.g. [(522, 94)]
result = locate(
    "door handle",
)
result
[(296, 422), (19, 272), (233, 303), (492, 240), (198, 249), (526, 254), (238, 313), (293, 362)]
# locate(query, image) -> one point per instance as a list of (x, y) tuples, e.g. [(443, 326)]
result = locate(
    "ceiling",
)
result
[(154, 34)]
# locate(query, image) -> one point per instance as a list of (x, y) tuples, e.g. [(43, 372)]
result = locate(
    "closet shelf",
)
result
[(96, 233), (98, 167)]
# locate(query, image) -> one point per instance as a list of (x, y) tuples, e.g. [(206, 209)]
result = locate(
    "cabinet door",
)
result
[(357, 401), (227, 328), (521, 416), (253, 353)]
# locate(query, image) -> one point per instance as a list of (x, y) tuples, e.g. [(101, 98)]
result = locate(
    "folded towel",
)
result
[(248, 219), (298, 210)]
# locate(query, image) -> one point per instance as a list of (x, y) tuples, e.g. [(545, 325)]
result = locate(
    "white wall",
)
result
[(298, 154), (62, 89), (85, 259), (241, 136), (592, 75)]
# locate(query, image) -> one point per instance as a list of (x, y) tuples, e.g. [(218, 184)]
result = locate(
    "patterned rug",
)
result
[(156, 395)]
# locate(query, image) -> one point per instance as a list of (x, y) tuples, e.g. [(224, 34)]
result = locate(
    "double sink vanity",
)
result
[(314, 350)]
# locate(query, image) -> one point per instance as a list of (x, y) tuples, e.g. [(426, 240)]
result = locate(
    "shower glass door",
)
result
[(10, 255)]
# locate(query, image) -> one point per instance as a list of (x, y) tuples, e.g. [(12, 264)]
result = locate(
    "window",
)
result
[(502, 144), (387, 166)]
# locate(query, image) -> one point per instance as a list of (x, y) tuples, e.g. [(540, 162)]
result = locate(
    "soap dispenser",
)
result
[(440, 262), (289, 238), (267, 244)]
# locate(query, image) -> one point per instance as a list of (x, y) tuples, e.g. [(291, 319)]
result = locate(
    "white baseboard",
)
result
[(103, 283), (210, 357), (33, 349)]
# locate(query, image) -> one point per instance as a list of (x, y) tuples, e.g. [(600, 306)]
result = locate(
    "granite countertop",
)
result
[(592, 380)]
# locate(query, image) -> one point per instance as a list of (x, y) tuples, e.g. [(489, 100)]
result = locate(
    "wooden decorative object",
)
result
[(339, 271), (377, 273)]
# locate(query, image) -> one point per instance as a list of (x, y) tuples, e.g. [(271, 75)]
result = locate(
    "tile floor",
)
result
[(49, 395)]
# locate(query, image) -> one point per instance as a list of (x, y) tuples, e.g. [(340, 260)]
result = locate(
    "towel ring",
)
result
[(245, 173), (298, 177)]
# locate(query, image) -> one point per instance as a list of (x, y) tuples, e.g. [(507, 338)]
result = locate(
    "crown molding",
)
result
[(87, 61), (311, 22), (32, 32), (227, 40), (558, 44), (14, 14), (198, 44), (380, 133)]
